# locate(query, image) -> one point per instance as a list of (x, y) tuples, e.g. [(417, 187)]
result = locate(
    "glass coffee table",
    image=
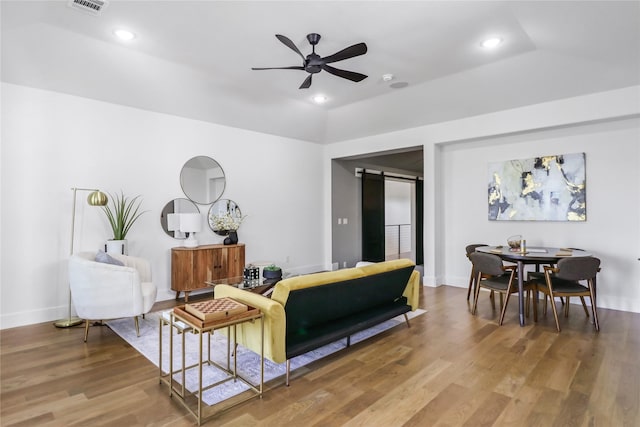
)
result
[(238, 282)]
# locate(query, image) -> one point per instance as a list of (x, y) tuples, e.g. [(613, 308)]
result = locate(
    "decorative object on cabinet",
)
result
[(192, 267), (122, 216), (95, 198), (202, 180), (225, 216), (176, 206), (232, 238)]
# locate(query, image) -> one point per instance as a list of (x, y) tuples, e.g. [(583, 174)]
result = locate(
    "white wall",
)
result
[(603, 125), (52, 142), (346, 239), (611, 231)]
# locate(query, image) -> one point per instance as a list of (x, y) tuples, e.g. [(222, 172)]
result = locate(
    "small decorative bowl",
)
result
[(272, 272)]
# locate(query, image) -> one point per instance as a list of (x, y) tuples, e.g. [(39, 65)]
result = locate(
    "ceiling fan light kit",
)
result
[(314, 63)]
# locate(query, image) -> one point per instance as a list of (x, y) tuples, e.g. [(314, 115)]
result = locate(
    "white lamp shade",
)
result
[(190, 222), (173, 222)]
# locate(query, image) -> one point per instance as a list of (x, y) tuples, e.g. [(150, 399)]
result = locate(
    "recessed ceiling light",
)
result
[(124, 34), (319, 99), (490, 43), (387, 77)]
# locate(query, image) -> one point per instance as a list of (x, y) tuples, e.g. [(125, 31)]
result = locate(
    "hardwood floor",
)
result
[(449, 369)]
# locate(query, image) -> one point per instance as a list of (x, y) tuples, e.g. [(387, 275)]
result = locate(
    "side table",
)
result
[(181, 328), (183, 322)]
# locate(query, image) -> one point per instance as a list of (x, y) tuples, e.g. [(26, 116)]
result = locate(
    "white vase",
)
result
[(117, 247)]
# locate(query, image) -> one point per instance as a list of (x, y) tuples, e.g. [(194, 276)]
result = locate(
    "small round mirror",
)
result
[(176, 206), (202, 180), (224, 215)]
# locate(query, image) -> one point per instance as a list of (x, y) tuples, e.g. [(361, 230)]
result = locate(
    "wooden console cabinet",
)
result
[(192, 267)]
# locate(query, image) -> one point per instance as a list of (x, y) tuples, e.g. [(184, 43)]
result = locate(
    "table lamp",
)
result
[(190, 224), (95, 198), (173, 224)]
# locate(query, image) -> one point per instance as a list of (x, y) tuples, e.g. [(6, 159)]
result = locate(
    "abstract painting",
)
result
[(546, 188)]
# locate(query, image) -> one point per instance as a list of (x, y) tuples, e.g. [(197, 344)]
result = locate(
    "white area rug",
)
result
[(248, 362)]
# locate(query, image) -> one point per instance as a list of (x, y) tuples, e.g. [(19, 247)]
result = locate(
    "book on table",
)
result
[(215, 309)]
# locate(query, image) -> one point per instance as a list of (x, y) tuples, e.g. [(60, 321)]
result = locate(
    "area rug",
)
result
[(248, 362)]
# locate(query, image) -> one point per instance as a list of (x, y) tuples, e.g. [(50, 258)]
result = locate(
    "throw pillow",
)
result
[(104, 257)]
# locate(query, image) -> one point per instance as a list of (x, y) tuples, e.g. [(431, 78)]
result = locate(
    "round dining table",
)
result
[(536, 255)]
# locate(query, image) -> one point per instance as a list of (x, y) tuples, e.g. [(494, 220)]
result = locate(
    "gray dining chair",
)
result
[(492, 274), (539, 275), (565, 279), (472, 278)]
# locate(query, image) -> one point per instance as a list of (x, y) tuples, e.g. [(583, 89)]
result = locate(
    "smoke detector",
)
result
[(93, 7)]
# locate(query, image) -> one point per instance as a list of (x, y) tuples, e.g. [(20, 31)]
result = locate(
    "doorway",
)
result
[(391, 217), (399, 219), (347, 229)]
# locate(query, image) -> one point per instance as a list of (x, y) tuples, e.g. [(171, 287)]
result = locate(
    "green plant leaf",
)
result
[(123, 214)]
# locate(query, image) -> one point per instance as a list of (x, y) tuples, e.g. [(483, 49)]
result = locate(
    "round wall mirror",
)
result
[(224, 215), (202, 180), (176, 206)]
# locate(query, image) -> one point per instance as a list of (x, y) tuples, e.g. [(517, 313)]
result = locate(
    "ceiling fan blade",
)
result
[(346, 53), (293, 67), (287, 42), (350, 75), (306, 83)]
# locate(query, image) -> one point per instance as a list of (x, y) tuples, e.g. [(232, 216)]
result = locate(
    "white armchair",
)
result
[(104, 291)]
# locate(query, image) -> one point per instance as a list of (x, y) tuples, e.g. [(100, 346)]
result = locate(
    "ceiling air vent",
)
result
[(94, 7)]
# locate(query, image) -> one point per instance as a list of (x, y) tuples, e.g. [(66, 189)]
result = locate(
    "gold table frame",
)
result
[(183, 323)]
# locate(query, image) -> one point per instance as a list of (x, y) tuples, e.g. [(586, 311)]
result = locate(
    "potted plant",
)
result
[(272, 274), (122, 214)]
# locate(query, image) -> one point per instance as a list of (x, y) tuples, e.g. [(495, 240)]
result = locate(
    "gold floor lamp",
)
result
[(96, 198)]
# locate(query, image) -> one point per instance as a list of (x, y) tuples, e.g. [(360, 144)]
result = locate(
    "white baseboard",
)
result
[(431, 281), (23, 318)]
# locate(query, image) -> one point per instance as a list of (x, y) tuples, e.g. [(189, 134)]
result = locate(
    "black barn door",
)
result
[(372, 217), (419, 222)]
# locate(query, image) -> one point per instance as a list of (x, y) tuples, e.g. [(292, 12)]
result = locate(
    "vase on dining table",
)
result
[(515, 243)]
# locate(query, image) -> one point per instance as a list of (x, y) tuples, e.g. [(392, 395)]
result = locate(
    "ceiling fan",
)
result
[(313, 63)]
